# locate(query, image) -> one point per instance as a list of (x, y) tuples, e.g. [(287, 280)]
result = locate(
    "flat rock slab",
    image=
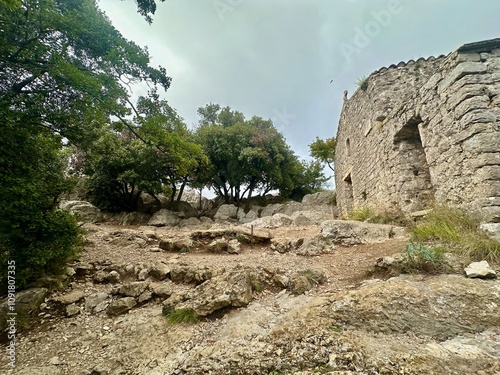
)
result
[(349, 232), (481, 270), (255, 234)]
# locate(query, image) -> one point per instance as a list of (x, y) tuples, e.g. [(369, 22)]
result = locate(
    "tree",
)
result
[(323, 151), (245, 155), (147, 8), (159, 154), (64, 70)]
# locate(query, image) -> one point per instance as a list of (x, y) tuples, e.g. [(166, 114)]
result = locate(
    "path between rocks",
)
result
[(348, 325)]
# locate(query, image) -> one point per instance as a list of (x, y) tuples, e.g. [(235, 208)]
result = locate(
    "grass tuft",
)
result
[(422, 258), (362, 83), (458, 232), (383, 217), (181, 316)]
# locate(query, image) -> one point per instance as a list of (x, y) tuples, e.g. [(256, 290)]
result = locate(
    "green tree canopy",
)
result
[(64, 71), (246, 155), (324, 151)]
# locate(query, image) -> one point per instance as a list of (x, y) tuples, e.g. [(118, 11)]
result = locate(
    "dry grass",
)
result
[(457, 231)]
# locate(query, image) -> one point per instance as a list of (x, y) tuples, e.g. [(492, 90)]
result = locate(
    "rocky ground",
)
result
[(271, 300)]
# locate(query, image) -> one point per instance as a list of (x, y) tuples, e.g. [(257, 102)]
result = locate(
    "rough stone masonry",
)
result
[(424, 130)]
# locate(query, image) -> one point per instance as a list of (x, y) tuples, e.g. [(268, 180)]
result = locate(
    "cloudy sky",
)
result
[(276, 58)]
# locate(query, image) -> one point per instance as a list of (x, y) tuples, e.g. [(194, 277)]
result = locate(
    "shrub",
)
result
[(458, 231), (33, 232), (422, 258)]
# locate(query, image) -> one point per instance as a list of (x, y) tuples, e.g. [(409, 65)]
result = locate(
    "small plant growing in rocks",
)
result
[(362, 83), (181, 316), (422, 258)]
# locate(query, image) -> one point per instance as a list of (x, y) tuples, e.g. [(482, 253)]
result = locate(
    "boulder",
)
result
[(164, 290), (233, 247), (481, 270), (321, 198), (350, 233), (159, 271), (95, 299), (226, 212), (113, 277), (188, 274), (135, 218), (84, 211), (314, 246), (301, 220), (231, 289), (271, 209), (184, 210), (133, 289), (181, 245), (439, 307), (121, 306), (27, 303), (300, 284), (147, 204), (191, 222), (492, 229), (72, 310), (164, 218), (71, 297)]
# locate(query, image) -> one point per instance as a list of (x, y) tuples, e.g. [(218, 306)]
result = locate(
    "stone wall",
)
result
[(424, 130)]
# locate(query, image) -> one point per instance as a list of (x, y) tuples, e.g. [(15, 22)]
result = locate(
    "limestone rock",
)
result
[(133, 289), (350, 233), (300, 285), (121, 306), (219, 245), (271, 209), (182, 245), (113, 277), (226, 212), (83, 210), (481, 270), (71, 297), (83, 269), (314, 246), (301, 220), (72, 310), (100, 276), (318, 199), (163, 290), (231, 289), (190, 222), (233, 247), (492, 229), (145, 296), (164, 218), (135, 218), (185, 211), (429, 307), (188, 274), (159, 271), (95, 299), (27, 303)]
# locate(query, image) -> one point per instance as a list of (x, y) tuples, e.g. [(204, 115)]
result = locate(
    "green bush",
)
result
[(422, 258), (457, 231), (33, 232)]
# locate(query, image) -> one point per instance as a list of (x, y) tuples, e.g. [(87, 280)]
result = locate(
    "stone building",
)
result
[(424, 130)]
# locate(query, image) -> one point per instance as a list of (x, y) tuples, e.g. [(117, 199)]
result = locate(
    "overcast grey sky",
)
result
[(276, 58)]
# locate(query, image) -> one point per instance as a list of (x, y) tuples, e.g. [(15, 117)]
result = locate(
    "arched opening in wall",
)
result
[(348, 201), (348, 146), (414, 181)]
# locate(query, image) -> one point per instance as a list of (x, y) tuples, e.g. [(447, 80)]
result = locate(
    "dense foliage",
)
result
[(64, 70), (249, 155)]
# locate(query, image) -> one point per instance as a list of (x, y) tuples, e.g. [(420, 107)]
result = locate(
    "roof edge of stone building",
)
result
[(481, 46)]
